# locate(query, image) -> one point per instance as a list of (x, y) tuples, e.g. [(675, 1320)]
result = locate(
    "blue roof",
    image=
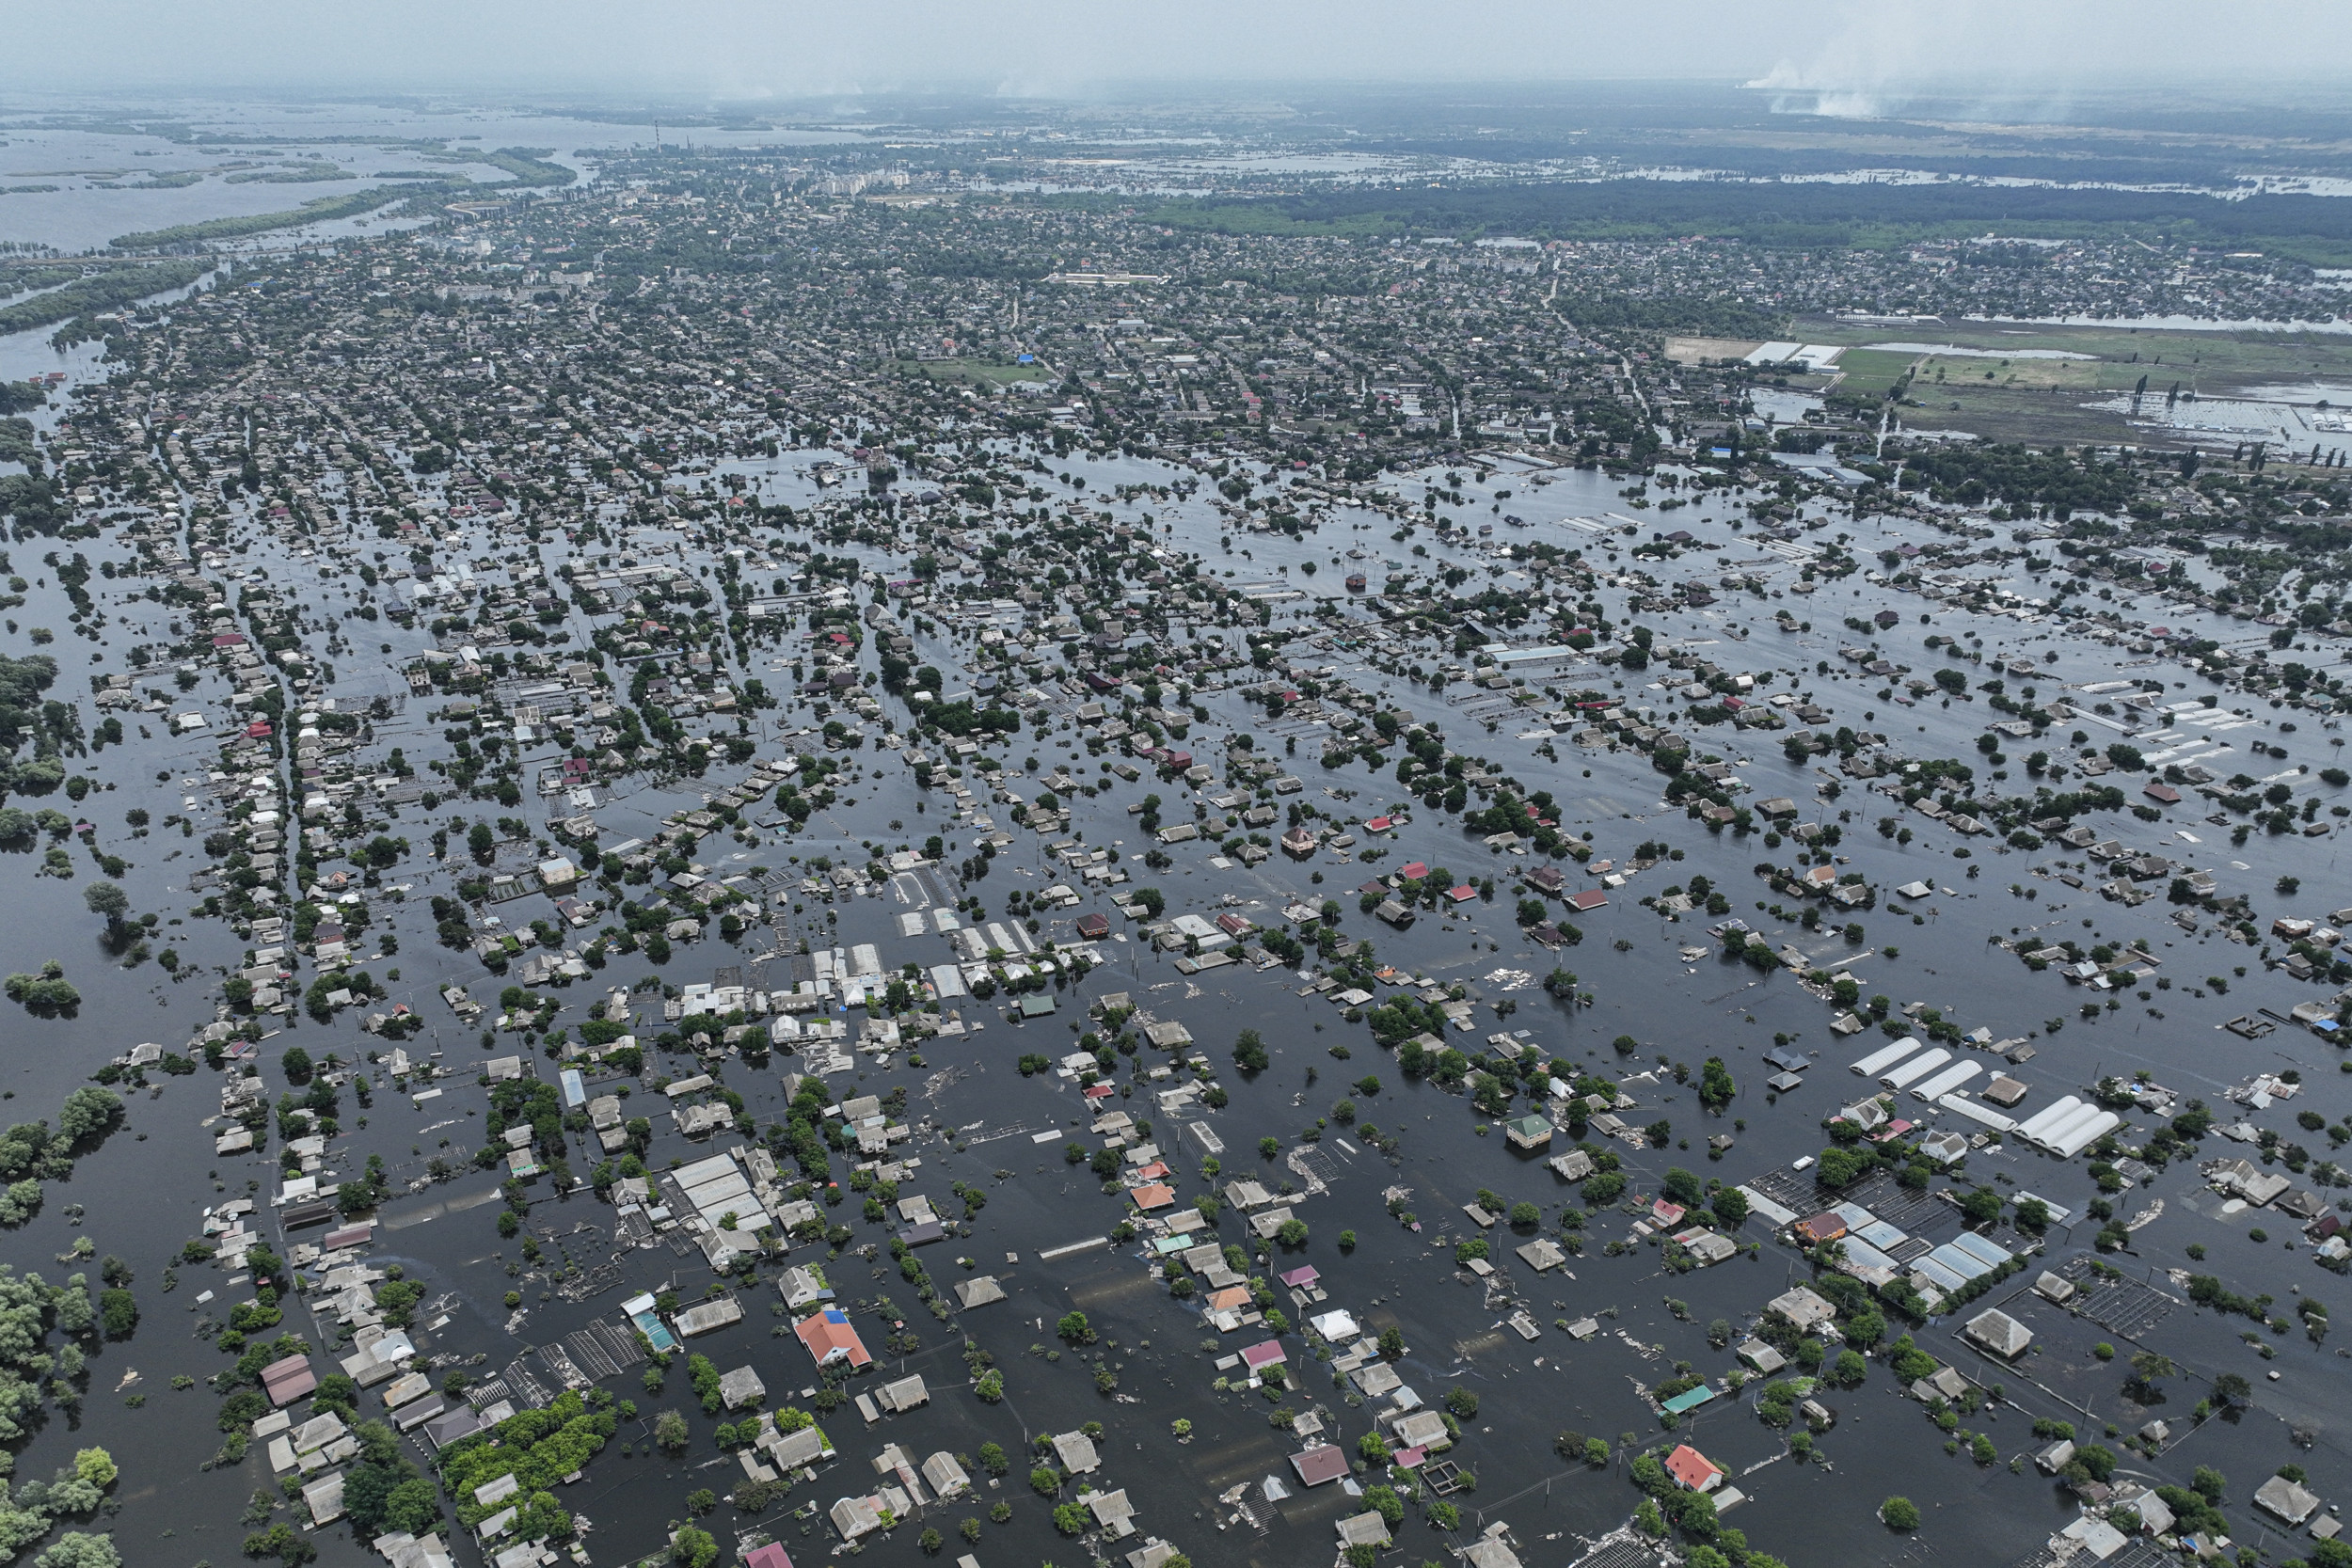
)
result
[(835, 1315), (1948, 1279), (1961, 1261), (1989, 1253)]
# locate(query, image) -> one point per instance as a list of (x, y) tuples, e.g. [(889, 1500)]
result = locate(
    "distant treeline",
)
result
[(320, 211), (1793, 215), (110, 289), (520, 162), (2074, 162), (1707, 317)]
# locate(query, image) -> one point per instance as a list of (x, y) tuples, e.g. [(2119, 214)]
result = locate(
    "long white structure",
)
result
[(2081, 1136), (1905, 1073), (1944, 1081), (1976, 1110), (2057, 1110), (1878, 1061)]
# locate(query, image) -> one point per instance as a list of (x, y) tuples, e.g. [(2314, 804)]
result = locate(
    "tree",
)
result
[(670, 1431), (2149, 1369), (1841, 1167), (95, 1465), (295, 1064), (692, 1547), (1249, 1053), (1071, 1518), (79, 1549), (1731, 1206), (1391, 1343), (86, 1112), (118, 1313), (109, 900), (1074, 1328), (281, 1542), (1899, 1513), (1716, 1088), (413, 1506)]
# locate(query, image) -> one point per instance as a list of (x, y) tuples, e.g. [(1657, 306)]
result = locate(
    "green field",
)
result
[(976, 373), (2040, 400)]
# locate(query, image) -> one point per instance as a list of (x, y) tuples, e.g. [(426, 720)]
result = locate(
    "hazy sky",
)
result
[(780, 48)]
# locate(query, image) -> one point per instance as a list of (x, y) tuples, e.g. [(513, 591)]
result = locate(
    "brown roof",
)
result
[(1317, 1465), (289, 1380)]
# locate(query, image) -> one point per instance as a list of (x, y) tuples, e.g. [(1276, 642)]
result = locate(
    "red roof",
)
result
[(289, 1380), (828, 1334), (769, 1555), (1666, 1212), (1462, 895), (1409, 1459), (1264, 1353), (1590, 899), (1377, 825), (1692, 1468), (2162, 792), (1317, 1465), (1153, 1196), (1412, 869)]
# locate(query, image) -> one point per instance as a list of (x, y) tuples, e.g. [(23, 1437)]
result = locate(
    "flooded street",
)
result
[(1370, 950)]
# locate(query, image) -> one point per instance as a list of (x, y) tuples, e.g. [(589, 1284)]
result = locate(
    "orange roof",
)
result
[(828, 1334), (1153, 1195), (1232, 1298), (1692, 1468)]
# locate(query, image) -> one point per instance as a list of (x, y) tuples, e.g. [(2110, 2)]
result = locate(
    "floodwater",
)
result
[(56, 144), (141, 1195)]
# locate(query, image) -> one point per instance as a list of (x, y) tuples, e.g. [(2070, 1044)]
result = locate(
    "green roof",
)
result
[(1688, 1402)]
